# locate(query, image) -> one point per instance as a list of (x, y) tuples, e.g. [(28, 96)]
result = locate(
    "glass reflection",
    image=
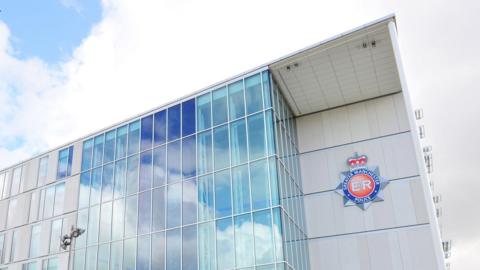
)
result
[(146, 172), (188, 117), (131, 216), (118, 220), (95, 191), (121, 148), (120, 178), (159, 209), (159, 166), (226, 256), (236, 103), (173, 122), (173, 162), (238, 141), (158, 251), (260, 186), (174, 249), (206, 246), (203, 112), (256, 136), (244, 240), (253, 93), (174, 205), (143, 252), (223, 203), (219, 103), (129, 251), (189, 243), (206, 209), (107, 182), (109, 152), (103, 256), (106, 222), (116, 255), (189, 206), (133, 137), (263, 232), (188, 157), (146, 133), (241, 189), (132, 174), (204, 152), (160, 126), (221, 149), (144, 212)]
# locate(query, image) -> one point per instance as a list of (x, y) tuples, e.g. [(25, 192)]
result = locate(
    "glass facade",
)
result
[(208, 183), (211, 182)]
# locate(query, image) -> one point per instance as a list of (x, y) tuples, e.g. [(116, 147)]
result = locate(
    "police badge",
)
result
[(361, 185)]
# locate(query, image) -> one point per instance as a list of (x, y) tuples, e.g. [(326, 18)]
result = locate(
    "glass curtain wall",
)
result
[(193, 186), (290, 184)]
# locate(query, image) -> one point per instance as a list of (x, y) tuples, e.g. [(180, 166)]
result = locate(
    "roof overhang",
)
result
[(348, 68)]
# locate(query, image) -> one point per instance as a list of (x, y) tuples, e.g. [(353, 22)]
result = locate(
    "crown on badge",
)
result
[(357, 161)]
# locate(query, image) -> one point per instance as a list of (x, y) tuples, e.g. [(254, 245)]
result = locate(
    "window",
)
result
[(188, 117), (133, 137), (64, 165), (144, 212), (204, 152), (189, 205), (225, 258), (143, 252), (105, 222), (173, 122), (159, 209), (16, 181), (174, 249), (220, 147), (87, 155), (42, 171), (238, 141), (52, 201), (253, 93), (2, 248), (146, 133), (189, 168), (223, 206), (206, 244), (3, 183), (92, 230), (158, 251), (14, 246), (204, 112), (244, 240), (236, 102), (35, 241), (206, 208), (55, 235), (50, 264), (12, 209), (29, 266), (109, 151), (219, 102), (160, 127), (103, 256), (116, 255), (121, 145), (189, 243), (129, 251)]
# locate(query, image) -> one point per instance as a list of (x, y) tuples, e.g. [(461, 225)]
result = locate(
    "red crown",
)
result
[(357, 161)]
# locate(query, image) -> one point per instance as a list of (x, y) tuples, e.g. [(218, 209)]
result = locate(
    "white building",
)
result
[(312, 161)]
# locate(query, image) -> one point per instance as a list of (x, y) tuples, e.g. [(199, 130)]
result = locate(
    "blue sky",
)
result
[(49, 29)]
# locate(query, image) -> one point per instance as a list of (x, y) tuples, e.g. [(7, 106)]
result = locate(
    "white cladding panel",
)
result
[(393, 234), (398, 249), (356, 122)]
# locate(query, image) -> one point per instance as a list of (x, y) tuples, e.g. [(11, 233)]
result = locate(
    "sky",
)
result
[(70, 67)]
